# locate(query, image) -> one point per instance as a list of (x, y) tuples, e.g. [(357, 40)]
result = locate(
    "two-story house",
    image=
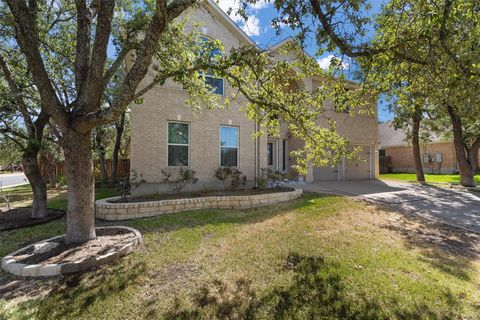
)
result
[(166, 134)]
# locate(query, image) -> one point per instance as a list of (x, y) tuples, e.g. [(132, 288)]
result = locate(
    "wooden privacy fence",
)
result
[(53, 171), (123, 168)]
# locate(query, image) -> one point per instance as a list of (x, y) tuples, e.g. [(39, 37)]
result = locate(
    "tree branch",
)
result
[(20, 106), (114, 67), (442, 34), (91, 94), (27, 37), (82, 53), (352, 51), (176, 8), (140, 67)]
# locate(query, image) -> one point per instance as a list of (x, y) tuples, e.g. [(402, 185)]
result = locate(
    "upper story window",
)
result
[(178, 143), (228, 146), (217, 84)]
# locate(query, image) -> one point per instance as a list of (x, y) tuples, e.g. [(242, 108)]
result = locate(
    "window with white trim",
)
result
[(217, 84), (228, 146), (178, 144)]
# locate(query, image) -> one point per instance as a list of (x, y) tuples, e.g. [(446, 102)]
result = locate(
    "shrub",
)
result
[(125, 185), (230, 176), (184, 177), (62, 181), (262, 183), (5, 197), (275, 176)]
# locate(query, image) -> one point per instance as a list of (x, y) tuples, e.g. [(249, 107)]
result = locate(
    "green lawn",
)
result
[(448, 178), (316, 257), (57, 198)]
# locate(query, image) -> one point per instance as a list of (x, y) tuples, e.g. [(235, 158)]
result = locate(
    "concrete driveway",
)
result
[(12, 179), (455, 207)]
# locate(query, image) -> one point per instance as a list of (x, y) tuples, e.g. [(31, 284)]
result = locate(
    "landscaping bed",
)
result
[(114, 209), (188, 195), (22, 217), (54, 256)]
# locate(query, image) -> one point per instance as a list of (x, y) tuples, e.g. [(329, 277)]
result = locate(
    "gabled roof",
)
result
[(215, 9), (391, 137), (280, 44)]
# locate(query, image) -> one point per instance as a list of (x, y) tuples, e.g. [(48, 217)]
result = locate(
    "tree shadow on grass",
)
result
[(316, 292), (447, 248), (73, 295)]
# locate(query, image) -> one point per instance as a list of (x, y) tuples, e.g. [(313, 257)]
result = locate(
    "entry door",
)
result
[(272, 162)]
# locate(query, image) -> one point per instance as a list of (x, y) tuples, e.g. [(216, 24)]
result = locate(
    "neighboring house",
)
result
[(165, 132), (438, 155)]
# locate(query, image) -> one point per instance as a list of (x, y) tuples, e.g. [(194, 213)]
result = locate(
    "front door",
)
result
[(272, 155)]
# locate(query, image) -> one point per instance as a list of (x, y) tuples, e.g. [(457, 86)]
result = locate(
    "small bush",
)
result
[(230, 177), (185, 176), (62, 181), (124, 187), (262, 183), (274, 176)]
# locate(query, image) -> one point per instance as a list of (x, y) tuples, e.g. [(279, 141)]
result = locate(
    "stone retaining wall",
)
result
[(109, 211)]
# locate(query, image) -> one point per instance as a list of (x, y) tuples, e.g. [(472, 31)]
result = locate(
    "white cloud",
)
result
[(227, 4), (252, 25), (325, 62), (261, 4)]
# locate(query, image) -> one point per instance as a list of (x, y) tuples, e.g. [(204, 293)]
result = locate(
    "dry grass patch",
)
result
[(320, 256)]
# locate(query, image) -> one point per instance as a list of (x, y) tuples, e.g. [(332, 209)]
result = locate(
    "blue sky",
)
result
[(258, 27)]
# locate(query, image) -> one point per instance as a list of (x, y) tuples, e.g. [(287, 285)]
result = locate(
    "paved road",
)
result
[(11, 179), (451, 206)]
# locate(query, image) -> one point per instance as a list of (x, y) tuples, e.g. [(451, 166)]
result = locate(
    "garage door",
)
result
[(325, 173), (359, 169)]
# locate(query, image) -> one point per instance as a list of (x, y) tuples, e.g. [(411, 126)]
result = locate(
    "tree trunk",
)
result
[(39, 187), (116, 149), (81, 199), (416, 145), (99, 133), (473, 155), (103, 165), (466, 168)]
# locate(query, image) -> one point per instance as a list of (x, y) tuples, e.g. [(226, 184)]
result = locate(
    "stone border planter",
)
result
[(109, 211), (9, 264)]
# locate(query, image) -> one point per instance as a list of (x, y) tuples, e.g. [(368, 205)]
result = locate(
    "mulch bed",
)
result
[(108, 240), (188, 195), (21, 217)]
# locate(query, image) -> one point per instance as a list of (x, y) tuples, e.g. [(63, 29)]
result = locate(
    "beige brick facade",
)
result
[(402, 158), (167, 103)]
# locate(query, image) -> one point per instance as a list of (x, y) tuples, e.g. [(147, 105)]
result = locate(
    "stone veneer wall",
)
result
[(123, 211)]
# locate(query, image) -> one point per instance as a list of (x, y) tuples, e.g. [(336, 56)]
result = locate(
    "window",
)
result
[(178, 138), (284, 155), (270, 153), (215, 83), (228, 146)]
